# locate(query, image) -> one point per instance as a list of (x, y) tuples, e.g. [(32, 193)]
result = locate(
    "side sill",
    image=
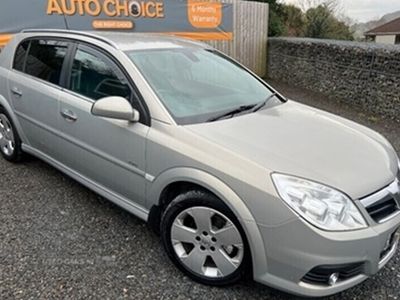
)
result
[(123, 202)]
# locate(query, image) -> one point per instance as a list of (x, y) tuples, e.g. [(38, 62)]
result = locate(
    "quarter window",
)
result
[(20, 55), (45, 59), (96, 77)]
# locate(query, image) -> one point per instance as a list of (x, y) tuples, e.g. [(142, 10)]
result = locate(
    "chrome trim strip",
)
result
[(392, 188), (352, 281), (395, 214), (149, 177)]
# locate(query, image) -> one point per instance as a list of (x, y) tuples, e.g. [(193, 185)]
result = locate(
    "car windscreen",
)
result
[(197, 84)]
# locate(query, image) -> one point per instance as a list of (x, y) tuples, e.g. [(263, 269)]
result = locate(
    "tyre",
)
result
[(10, 143), (204, 239)]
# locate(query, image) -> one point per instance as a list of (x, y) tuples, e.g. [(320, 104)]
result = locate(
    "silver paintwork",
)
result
[(391, 252), (223, 245), (115, 108), (131, 163)]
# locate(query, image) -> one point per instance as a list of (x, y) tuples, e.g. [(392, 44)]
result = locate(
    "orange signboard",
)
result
[(204, 14), (194, 19)]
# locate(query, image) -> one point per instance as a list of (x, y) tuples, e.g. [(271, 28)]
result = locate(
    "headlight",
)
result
[(320, 205), (398, 171)]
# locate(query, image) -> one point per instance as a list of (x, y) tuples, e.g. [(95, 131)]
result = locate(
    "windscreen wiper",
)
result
[(252, 107), (262, 104), (232, 112)]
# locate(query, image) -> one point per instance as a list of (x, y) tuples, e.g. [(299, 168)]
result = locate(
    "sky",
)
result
[(363, 10)]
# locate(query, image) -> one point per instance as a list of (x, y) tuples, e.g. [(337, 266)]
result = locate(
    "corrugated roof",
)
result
[(392, 27)]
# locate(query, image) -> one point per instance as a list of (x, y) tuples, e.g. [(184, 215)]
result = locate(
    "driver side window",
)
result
[(95, 76)]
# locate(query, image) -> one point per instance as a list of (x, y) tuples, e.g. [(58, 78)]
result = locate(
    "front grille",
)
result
[(383, 204), (320, 275), (382, 209)]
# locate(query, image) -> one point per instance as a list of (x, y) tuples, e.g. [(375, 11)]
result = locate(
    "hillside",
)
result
[(360, 28)]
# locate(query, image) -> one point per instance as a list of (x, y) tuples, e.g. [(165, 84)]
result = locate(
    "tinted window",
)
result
[(45, 59), (96, 77), (20, 55)]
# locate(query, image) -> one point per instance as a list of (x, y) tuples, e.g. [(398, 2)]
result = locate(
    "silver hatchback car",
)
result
[(236, 179)]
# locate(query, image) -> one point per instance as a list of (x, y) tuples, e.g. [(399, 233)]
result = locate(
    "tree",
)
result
[(334, 6), (317, 22), (293, 20), (314, 18), (322, 23), (276, 25)]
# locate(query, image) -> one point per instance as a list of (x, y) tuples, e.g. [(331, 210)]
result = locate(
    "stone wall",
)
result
[(365, 75)]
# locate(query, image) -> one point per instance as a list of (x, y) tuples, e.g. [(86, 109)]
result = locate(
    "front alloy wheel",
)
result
[(204, 239), (207, 242)]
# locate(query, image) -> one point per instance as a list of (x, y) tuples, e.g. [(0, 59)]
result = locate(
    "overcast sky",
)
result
[(364, 10)]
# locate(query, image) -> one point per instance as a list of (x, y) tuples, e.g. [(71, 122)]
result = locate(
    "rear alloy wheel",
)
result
[(10, 145), (203, 239)]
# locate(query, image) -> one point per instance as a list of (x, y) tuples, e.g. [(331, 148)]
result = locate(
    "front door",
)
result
[(110, 153)]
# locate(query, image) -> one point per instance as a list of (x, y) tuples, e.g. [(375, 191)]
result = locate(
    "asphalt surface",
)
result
[(60, 240)]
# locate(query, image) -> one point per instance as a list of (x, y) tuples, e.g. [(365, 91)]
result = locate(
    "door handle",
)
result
[(16, 92), (69, 115)]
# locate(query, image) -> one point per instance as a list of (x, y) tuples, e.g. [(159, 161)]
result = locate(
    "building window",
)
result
[(397, 41)]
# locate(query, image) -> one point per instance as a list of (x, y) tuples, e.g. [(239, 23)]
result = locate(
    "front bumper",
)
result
[(295, 248)]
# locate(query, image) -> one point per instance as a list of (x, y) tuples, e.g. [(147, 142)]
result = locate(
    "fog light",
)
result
[(333, 278)]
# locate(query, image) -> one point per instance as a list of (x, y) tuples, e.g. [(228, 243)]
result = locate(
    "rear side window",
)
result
[(45, 59), (20, 56)]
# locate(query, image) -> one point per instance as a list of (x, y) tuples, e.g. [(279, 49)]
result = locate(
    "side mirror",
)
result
[(115, 108)]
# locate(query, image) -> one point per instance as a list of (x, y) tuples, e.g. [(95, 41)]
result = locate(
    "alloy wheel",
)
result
[(207, 242), (7, 139)]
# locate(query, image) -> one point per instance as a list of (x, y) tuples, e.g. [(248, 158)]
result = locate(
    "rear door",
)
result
[(111, 153), (34, 87)]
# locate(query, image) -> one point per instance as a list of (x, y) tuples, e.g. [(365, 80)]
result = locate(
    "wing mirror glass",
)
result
[(115, 108)]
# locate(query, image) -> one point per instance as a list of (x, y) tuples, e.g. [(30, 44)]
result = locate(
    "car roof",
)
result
[(143, 41), (125, 41)]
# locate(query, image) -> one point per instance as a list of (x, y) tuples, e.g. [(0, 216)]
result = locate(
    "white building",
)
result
[(388, 33)]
